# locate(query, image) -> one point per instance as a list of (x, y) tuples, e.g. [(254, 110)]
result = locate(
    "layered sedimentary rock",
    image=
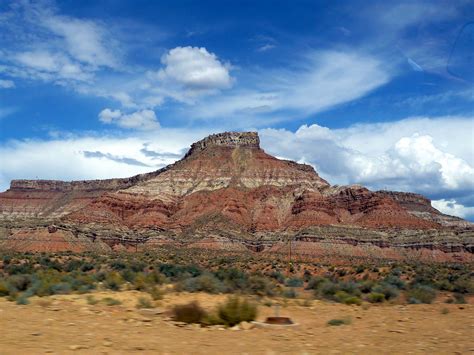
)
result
[(226, 191)]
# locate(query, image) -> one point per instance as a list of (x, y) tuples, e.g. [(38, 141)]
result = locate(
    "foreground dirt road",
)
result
[(68, 324)]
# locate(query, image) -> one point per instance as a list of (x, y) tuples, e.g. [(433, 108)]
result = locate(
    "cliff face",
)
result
[(226, 185)]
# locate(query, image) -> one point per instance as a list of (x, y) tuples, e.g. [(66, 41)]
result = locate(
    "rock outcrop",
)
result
[(226, 189)]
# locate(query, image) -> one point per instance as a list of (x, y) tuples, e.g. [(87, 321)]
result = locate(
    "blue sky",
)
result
[(376, 93)]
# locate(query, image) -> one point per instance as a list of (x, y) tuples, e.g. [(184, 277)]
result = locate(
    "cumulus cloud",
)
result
[(141, 120), (6, 84), (195, 69), (429, 156), (453, 208)]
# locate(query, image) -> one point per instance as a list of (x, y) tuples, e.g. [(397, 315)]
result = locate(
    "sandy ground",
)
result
[(67, 324)]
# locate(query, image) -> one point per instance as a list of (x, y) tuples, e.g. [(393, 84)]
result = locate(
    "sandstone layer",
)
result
[(227, 192)]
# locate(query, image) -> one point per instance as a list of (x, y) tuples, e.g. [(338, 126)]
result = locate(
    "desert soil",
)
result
[(68, 324)]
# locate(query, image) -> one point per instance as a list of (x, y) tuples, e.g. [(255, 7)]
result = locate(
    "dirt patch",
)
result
[(66, 324)]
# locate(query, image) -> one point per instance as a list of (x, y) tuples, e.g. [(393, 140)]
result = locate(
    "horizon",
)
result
[(96, 90)]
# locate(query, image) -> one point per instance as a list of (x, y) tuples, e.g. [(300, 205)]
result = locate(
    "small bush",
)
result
[(205, 282), (61, 288), (235, 310), (113, 281), (22, 300), (421, 294), (463, 285), (91, 300), (189, 313), (4, 291), (109, 301), (261, 286), (375, 297), (344, 297), (289, 293), (294, 282), (353, 300), (315, 282), (156, 293), (389, 291), (338, 322), (20, 282), (144, 302), (458, 298)]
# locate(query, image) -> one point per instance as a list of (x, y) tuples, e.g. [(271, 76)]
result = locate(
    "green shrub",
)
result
[(278, 276), (315, 282), (87, 267), (156, 293), (353, 300), (459, 298), (189, 313), (20, 282), (289, 293), (387, 290), (294, 282), (327, 289), (144, 302), (140, 282), (113, 281), (366, 286), (261, 286), (4, 291), (340, 296), (344, 297), (61, 288), (109, 301), (463, 285), (338, 322), (394, 280), (205, 282), (421, 294), (235, 310), (375, 297), (22, 300), (91, 300)]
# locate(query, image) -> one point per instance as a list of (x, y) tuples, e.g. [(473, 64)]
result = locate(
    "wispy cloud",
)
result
[(55, 48), (6, 84), (118, 159), (320, 80)]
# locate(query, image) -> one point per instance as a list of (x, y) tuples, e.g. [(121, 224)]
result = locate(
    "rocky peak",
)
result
[(226, 139)]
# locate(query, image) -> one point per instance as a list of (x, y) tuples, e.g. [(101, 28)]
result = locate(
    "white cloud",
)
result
[(107, 115), (142, 120), (265, 47), (6, 111), (321, 80), (40, 60), (453, 208), (429, 156), (55, 48), (92, 157), (6, 84), (195, 69), (85, 40)]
